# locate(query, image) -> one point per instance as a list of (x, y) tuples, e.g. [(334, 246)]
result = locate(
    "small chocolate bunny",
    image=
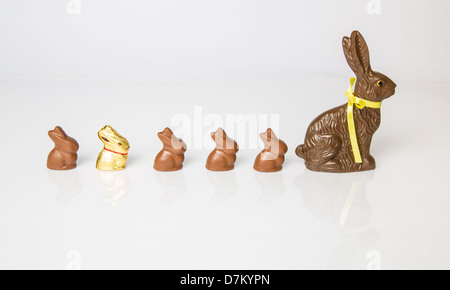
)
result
[(224, 156), (64, 155), (328, 146), (171, 157), (271, 159), (114, 155)]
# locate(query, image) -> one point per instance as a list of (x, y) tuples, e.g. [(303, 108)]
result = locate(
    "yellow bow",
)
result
[(360, 104)]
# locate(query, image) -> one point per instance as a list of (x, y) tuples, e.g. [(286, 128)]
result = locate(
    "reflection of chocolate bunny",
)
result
[(223, 157), (272, 186), (339, 199), (114, 155), (64, 155), (69, 184), (342, 201), (171, 157), (271, 159), (174, 185), (225, 185), (117, 185), (327, 143)]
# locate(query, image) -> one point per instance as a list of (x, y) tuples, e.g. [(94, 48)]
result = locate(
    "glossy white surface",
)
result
[(394, 217)]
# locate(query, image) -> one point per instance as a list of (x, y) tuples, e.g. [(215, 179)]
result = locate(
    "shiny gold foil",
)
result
[(114, 155)]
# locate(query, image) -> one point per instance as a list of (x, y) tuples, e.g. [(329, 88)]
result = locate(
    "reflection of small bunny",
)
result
[(117, 185), (271, 159), (272, 186), (64, 155), (223, 157), (174, 185), (69, 184), (225, 185), (327, 143), (114, 155), (171, 157)]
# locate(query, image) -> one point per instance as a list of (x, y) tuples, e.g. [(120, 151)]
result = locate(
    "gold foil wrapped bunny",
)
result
[(114, 155)]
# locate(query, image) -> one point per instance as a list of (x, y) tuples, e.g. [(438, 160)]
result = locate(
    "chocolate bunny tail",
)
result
[(300, 151)]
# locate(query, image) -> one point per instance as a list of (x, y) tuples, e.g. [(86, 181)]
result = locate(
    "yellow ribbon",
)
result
[(360, 104)]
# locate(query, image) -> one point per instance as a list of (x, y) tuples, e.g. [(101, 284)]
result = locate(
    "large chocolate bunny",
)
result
[(64, 155), (327, 143)]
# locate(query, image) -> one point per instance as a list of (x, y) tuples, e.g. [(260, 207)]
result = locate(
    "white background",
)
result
[(218, 39), (137, 64)]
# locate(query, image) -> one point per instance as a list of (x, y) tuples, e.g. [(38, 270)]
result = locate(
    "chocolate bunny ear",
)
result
[(357, 53), (166, 136), (60, 131), (218, 134), (57, 135)]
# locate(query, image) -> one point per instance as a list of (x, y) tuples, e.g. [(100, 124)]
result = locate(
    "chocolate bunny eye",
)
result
[(105, 139), (120, 144), (380, 84)]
